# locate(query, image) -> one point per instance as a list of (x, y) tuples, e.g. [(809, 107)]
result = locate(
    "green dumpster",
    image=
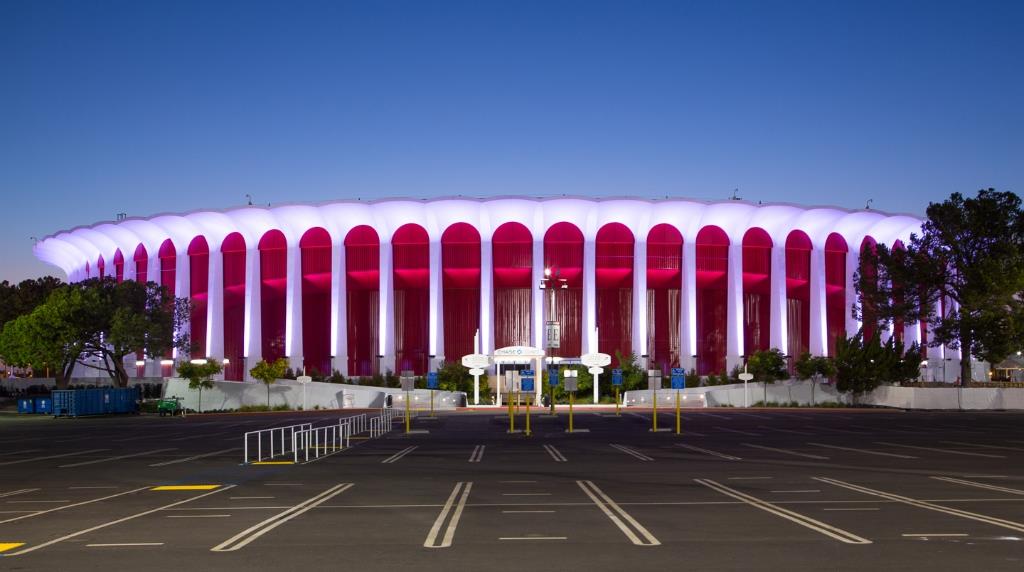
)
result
[(169, 406)]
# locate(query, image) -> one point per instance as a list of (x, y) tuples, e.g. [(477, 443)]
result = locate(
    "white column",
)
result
[(293, 308), (183, 287), (589, 297), (639, 299), (539, 299), (387, 314), (852, 263), (778, 334), (688, 312), (436, 333), (339, 309), (486, 300), (734, 308), (215, 306), (253, 311), (818, 318)]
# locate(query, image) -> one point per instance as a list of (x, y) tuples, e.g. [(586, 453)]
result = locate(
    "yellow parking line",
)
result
[(5, 546), (185, 487)]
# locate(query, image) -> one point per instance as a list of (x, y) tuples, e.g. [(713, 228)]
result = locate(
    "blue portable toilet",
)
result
[(26, 405), (44, 405)]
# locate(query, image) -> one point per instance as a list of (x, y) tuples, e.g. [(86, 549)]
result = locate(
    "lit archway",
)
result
[(362, 286), (315, 252), (664, 296), (460, 276), (614, 280), (835, 289), (712, 250), (563, 254), (233, 257), (273, 293), (757, 287), (411, 253), (512, 249)]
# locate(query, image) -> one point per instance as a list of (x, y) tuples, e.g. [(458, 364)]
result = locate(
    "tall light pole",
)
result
[(552, 330)]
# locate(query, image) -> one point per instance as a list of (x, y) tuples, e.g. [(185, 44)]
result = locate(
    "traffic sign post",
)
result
[(596, 361), (617, 382), (654, 384), (526, 381), (432, 386), (745, 377), (476, 363), (552, 384), (678, 382)]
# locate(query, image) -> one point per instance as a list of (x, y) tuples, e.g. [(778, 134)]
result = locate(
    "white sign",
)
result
[(476, 371), (746, 376), (303, 379), (596, 370), (552, 335), (476, 361), (519, 351), (596, 360)]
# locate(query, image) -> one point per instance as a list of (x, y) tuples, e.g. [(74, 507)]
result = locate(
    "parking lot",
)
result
[(815, 489)]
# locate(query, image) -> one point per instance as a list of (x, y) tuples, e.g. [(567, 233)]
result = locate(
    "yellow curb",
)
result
[(5, 546)]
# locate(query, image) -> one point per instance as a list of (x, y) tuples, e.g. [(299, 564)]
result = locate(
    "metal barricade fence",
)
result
[(272, 442), (322, 440), (357, 423)]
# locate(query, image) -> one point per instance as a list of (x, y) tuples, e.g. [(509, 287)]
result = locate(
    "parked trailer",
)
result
[(104, 401)]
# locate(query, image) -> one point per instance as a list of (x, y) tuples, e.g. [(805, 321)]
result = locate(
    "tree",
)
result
[(200, 375), (269, 373), (812, 367), (767, 366), (963, 275), (20, 299), (42, 339), (861, 365)]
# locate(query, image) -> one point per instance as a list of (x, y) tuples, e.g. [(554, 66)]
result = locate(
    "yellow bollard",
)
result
[(677, 412), (617, 401)]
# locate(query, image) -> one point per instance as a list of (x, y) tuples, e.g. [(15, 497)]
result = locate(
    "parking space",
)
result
[(735, 480)]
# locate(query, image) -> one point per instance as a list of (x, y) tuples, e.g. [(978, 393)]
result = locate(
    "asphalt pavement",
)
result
[(762, 489)]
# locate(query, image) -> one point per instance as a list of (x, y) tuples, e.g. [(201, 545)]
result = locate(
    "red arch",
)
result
[(757, 280), (141, 259), (614, 280), (168, 274), (233, 258), (199, 283), (835, 289), (411, 251), (315, 253), (460, 276), (118, 266), (664, 295), (362, 282), (563, 254), (798, 294), (101, 267), (273, 289), (712, 248), (512, 251)]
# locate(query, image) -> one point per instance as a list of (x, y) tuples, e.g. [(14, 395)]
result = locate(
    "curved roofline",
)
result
[(537, 199)]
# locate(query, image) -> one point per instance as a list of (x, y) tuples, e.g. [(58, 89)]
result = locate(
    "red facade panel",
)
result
[(798, 294), (233, 253), (712, 251), (273, 290), (411, 261), (118, 266), (835, 289), (315, 249), (141, 259), (563, 254), (460, 276), (614, 282), (757, 285), (199, 283), (870, 274), (664, 296), (512, 255), (362, 280), (168, 273)]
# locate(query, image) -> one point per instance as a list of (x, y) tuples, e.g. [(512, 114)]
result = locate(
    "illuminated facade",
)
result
[(363, 287)]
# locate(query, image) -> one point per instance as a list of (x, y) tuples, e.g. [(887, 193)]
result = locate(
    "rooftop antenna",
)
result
[(735, 195), (248, 198), (867, 207), (33, 239), (121, 216)]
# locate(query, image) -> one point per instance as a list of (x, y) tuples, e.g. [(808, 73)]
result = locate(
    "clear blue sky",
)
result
[(146, 106)]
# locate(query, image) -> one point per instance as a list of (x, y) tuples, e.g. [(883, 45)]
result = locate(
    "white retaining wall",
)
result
[(234, 394)]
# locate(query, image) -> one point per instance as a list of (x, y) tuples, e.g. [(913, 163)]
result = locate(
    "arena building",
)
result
[(398, 284)]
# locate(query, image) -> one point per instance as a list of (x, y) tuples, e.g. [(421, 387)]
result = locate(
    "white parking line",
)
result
[(242, 539), (20, 461), (477, 454), (117, 458), (36, 501), (936, 535), (555, 453), (737, 431), (119, 544), (454, 508), (805, 521), (400, 454), (980, 485), (983, 446), (194, 457), (747, 478), (633, 530), (1009, 524), (42, 512), (865, 451), (951, 452), (787, 452), (17, 492), (710, 452), (632, 451), (118, 521)]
